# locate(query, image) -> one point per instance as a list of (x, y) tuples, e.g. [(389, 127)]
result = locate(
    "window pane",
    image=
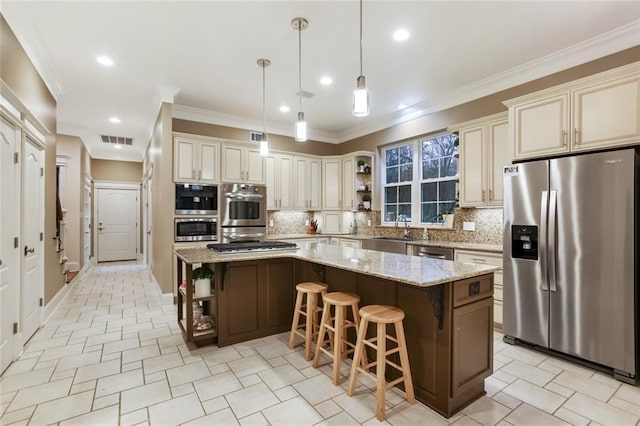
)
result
[(406, 173), (405, 209), (429, 191), (391, 195), (392, 175), (406, 154), (392, 157), (430, 169), (449, 166), (390, 213), (447, 191), (428, 212), (404, 194), (446, 208)]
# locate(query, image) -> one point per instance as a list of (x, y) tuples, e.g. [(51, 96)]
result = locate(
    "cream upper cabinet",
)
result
[(349, 201), (195, 160), (307, 183), (279, 169), (595, 112), (242, 164), (484, 150), (332, 184), (606, 114)]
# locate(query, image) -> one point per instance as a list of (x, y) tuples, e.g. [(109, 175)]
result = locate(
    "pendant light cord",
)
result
[(300, 63), (264, 134), (360, 37)]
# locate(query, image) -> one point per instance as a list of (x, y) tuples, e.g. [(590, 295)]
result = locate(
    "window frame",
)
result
[(416, 182)]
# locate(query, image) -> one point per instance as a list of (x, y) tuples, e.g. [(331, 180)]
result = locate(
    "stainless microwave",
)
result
[(196, 199), (195, 229)]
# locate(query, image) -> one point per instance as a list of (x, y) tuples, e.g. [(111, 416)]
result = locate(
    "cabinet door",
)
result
[(284, 182), (207, 162), (349, 243), (184, 152), (606, 114), (540, 127), (314, 181), (332, 184), (499, 155), (348, 184), (279, 294), (299, 183), (239, 303), (472, 327), (472, 160), (273, 192), (331, 224), (254, 169), (232, 162)]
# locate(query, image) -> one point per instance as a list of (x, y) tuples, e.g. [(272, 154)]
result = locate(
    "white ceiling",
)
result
[(205, 53)]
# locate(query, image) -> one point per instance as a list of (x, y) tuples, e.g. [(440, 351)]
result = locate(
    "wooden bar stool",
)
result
[(310, 311), (337, 326), (382, 315)]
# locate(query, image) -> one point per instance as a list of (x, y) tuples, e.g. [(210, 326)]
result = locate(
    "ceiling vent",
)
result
[(305, 94), (255, 136), (117, 139)]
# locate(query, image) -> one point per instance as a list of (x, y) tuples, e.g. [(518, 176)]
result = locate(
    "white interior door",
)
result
[(149, 229), (86, 225), (32, 239), (9, 247), (117, 219)]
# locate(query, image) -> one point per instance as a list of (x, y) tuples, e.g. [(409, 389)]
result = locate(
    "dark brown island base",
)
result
[(448, 307)]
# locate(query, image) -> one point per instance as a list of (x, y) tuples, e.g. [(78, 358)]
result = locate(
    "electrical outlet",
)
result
[(368, 222), (270, 223), (468, 226), (306, 222)]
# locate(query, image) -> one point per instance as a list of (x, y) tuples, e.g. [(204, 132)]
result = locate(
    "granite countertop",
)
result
[(460, 245), (413, 270)]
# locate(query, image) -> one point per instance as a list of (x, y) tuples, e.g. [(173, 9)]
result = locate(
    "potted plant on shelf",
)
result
[(361, 166), (366, 202), (202, 281)]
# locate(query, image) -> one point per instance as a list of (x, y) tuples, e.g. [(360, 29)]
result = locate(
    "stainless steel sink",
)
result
[(387, 244)]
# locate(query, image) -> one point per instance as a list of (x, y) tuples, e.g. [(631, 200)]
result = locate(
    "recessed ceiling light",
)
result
[(402, 106), (115, 120), (401, 35), (117, 146), (284, 108), (326, 80), (105, 60)]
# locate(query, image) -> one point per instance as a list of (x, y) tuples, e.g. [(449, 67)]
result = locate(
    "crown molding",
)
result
[(34, 47), (223, 119)]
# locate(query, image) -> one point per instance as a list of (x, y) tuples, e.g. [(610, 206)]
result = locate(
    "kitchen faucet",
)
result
[(406, 225)]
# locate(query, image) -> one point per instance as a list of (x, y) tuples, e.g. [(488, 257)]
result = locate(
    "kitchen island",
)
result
[(448, 307)]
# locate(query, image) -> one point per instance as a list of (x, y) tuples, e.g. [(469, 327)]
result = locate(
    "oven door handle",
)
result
[(243, 196), (238, 236)]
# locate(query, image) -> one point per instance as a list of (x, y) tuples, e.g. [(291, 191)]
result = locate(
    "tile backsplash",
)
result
[(488, 225)]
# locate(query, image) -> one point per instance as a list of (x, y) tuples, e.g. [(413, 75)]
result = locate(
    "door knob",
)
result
[(28, 250)]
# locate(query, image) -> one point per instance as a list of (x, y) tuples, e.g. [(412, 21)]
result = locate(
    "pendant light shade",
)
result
[(360, 93), (264, 144), (300, 24)]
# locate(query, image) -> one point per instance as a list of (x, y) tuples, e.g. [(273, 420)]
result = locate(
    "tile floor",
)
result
[(111, 355)]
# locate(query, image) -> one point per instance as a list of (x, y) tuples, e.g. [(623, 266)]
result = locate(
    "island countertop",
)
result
[(413, 270)]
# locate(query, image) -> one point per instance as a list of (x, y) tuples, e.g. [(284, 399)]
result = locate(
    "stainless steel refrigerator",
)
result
[(571, 258)]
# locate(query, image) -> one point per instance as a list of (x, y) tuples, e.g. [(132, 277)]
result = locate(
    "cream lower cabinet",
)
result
[(278, 174), (242, 164), (195, 160), (348, 242), (595, 112), (487, 258), (307, 183), (484, 150)]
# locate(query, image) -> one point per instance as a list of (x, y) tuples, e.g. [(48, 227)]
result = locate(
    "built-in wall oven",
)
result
[(243, 212), (195, 229), (196, 199)]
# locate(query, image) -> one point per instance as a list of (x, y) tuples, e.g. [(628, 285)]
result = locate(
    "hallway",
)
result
[(110, 354)]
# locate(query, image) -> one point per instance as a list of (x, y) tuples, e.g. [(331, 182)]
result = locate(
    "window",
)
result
[(434, 164)]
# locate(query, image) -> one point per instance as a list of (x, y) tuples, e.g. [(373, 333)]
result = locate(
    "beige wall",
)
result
[(484, 106), (119, 171), (276, 142), (159, 159), (17, 71)]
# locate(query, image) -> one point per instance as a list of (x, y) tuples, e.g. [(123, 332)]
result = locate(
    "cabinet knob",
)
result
[(564, 138), (576, 137)]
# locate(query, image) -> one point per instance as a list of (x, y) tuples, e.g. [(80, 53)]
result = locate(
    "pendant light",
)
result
[(264, 144), (360, 93), (300, 24)]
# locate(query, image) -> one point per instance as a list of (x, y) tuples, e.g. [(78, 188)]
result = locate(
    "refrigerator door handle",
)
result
[(551, 239), (544, 210)]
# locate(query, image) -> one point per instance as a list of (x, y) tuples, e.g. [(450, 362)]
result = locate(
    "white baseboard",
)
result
[(57, 299), (166, 299)]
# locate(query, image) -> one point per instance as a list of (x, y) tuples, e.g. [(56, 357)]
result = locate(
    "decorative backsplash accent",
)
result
[(488, 225)]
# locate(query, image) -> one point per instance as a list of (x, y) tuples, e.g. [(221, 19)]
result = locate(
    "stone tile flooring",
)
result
[(111, 355)]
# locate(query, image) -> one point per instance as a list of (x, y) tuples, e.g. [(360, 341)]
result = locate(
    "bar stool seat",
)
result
[(382, 315), (310, 310), (336, 327)]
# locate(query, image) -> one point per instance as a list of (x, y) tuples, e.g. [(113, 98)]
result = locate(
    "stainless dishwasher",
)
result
[(434, 252)]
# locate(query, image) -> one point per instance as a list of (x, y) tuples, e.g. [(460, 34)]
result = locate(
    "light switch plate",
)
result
[(468, 226), (271, 223), (306, 222), (368, 222)]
